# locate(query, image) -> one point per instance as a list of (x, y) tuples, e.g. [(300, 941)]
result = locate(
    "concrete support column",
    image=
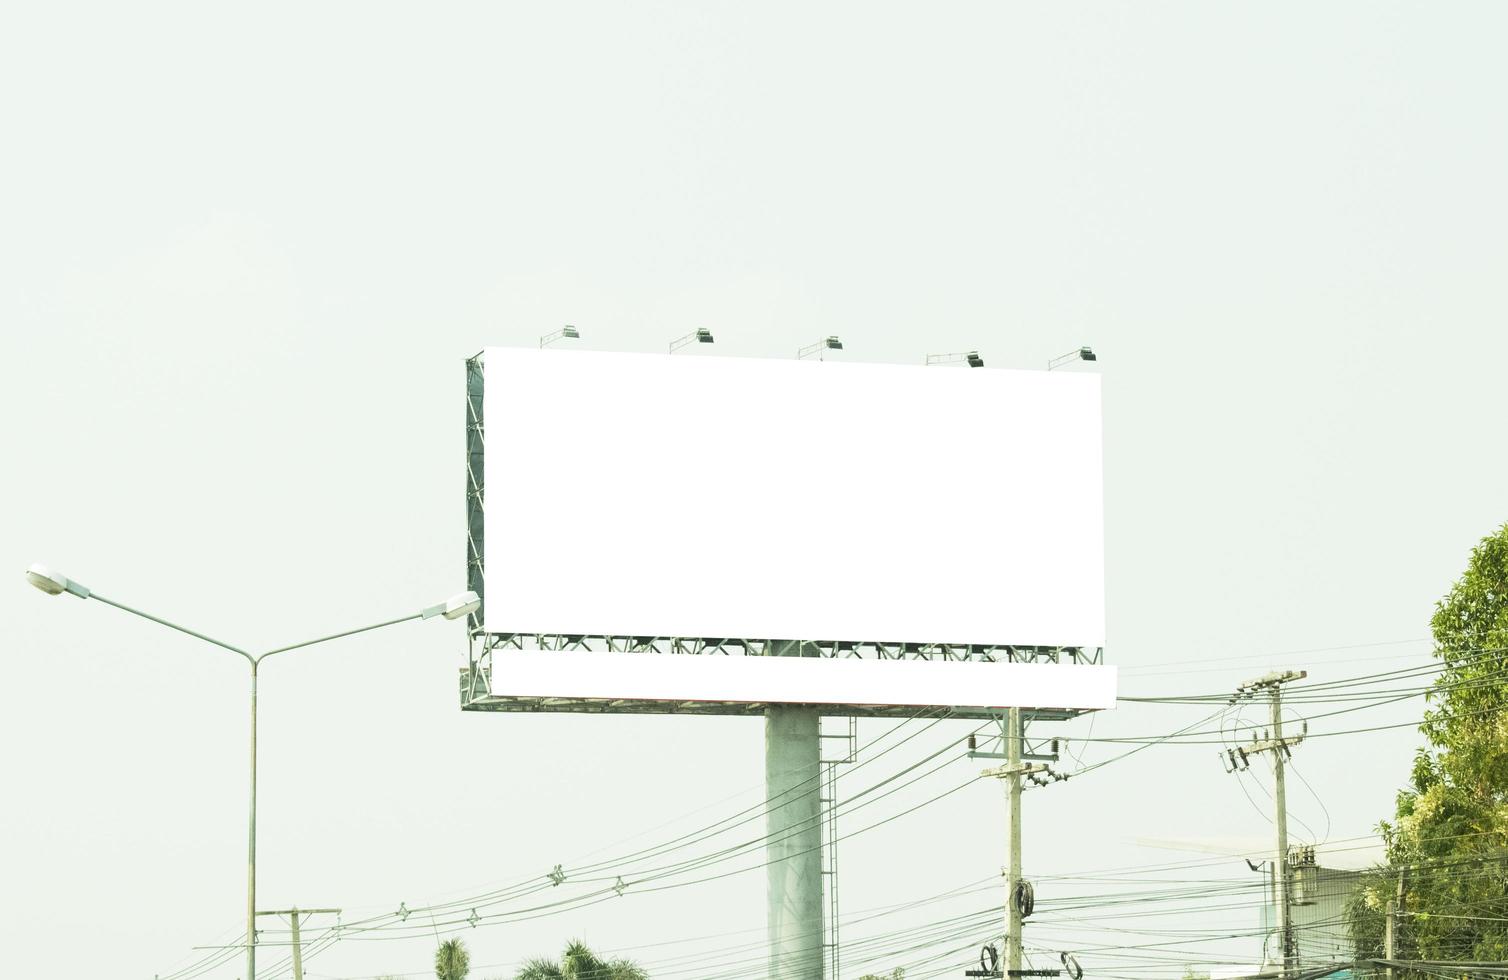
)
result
[(792, 766)]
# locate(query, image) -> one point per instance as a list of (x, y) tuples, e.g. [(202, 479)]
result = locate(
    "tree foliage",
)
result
[(896, 974), (452, 962), (1448, 839), (580, 963)]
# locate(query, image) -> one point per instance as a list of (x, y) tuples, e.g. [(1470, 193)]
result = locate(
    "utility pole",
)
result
[(1018, 898), (1013, 868), (1280, 799), (1389, 947), (1280, 748), (295, 915), (1390, 928)]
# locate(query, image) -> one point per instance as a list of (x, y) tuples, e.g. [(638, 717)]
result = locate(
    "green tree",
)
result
[(580, 963), (452, 962), (1448, 839), (896, 974)]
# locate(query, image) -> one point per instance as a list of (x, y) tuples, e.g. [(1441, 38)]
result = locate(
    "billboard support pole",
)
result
[(793, 824)]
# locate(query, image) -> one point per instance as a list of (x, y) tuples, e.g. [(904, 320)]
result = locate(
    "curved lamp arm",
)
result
[(53, 583)]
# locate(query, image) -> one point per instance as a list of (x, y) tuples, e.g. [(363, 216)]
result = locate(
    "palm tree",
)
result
[(580, 963), (452, 962)]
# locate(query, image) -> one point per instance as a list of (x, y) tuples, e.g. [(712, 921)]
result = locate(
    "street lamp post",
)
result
[(455, 607)]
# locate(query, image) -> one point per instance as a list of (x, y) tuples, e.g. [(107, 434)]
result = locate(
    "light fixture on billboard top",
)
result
[(1082, 354), (566, 332), (971, 358), (825, 344), (701, 335)]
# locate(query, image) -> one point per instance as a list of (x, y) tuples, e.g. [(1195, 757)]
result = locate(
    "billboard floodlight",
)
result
[(1082, 354), (566, 332), (971, 358), (825, 344), (701, 335)]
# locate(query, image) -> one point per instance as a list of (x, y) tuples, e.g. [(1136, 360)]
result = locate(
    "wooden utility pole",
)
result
[(295, 916)]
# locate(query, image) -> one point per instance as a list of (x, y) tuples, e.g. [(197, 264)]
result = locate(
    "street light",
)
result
[(971, 358), (455, 607), (52, 583), (567, 331), (1082, 354), (825, 344), (701, 335)]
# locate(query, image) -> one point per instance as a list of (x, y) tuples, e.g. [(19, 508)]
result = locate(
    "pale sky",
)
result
[(246, 254)]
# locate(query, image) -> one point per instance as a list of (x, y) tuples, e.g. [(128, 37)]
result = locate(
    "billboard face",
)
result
[(653, 495)]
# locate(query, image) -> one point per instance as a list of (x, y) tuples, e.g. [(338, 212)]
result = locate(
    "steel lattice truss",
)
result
[(476, 686)]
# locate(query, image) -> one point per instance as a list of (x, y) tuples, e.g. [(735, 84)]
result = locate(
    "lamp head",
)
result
[(1085, 354), (833, 343), (461, 605), (52, 583), (570, 331), (703, 335), (974, 360)]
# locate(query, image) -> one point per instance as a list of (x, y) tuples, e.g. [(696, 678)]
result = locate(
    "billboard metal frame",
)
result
[(476, 689)]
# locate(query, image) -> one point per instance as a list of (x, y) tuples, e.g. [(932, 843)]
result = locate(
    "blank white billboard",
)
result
[(658, 495), (799, 680)]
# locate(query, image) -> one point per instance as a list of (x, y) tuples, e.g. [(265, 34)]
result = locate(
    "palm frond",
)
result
[(578, 962), (625, 970), (539, 969), (452, 962)]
